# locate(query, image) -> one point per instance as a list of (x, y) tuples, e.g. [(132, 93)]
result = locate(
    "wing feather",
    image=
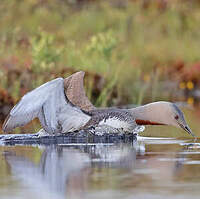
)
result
[(49, 103), (33, 103), (74, 89)]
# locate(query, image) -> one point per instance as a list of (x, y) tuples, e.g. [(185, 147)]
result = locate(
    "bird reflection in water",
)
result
[(58, 168), (63, 170), (70, 170)]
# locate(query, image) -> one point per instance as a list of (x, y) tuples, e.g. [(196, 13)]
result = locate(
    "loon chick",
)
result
[(58, 114)]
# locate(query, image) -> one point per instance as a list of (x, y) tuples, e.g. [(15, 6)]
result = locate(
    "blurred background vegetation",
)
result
[(133, 51)]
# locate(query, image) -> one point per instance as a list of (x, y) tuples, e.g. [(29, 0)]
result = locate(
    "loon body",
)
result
[(62, 106), (118, 119)]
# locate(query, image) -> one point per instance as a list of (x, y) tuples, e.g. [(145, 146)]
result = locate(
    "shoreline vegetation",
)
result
[(133, 52)]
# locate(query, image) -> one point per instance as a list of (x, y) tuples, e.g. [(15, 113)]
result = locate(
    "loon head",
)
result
[(178, 119), (161, 113)]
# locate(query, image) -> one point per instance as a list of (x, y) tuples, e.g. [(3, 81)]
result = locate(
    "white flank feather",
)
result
[(116, 123)]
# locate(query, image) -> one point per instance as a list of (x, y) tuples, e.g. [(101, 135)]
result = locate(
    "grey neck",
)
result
[(153, 114)]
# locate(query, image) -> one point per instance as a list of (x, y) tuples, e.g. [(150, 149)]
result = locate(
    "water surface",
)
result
[(148, 167)]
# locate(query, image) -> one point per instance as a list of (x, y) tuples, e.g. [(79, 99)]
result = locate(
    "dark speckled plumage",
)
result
[(102, 115)]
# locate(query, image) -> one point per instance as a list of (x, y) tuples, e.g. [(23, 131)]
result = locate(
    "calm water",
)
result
[(147, 168)]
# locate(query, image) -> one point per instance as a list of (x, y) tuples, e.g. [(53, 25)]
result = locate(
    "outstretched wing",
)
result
[(50, 104), (41, 102)]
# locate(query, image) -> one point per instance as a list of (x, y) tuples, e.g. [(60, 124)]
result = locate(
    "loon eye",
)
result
[(176, 117)]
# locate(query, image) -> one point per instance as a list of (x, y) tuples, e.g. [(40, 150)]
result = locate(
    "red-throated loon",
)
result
[(62, 106)]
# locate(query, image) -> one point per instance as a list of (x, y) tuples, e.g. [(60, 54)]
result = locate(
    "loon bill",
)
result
[(62, 106)]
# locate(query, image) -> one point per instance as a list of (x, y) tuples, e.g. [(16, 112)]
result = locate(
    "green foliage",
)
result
[(120, 42), (102, 44), (44, 53), (95, 54)]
